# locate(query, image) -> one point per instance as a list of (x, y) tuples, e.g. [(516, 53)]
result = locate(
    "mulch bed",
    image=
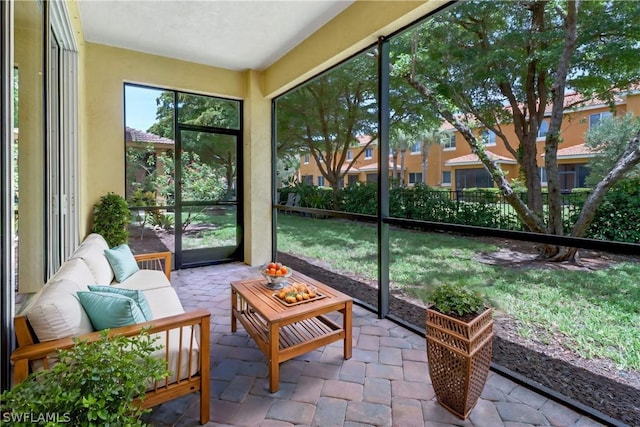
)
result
[(610, 397)]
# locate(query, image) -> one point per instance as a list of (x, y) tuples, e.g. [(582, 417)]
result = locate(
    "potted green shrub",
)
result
[(459, 345), (111, 218), (93, 384)]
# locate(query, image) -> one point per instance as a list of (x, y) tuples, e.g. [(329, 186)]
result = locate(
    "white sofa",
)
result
[(54, 315)]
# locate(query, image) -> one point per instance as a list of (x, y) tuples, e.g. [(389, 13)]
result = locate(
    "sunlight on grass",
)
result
[(596, 313)]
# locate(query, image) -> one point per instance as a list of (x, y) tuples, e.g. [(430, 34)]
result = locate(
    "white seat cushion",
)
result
[(143, 280), (179, 360), (163, 302), (57, 313)]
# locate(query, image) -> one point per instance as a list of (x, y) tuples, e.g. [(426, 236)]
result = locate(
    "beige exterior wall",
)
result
[(106, 70)]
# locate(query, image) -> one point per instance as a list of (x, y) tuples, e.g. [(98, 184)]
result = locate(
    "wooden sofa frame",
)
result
[(30, 350)]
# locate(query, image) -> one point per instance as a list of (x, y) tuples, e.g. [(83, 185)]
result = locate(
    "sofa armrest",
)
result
[(23, 356), (155, 261)]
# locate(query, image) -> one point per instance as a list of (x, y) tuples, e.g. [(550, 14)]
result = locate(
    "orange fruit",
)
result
[(283, 269), (271, 271), (271, 265)]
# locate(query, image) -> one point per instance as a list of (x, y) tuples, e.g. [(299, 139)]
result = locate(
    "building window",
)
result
[(320, 158), (488, 137), (449, 142), (416, 147), (306, 159), (320, 181), (543, 129), (353, 179), (543, 175), (446, 177), (349, 155), (307, 179), (368, 153), (572, 176), (415, 178), (595, 118), (473, 178)]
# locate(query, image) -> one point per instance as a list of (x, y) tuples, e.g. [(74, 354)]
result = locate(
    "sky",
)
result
[(140, 107)]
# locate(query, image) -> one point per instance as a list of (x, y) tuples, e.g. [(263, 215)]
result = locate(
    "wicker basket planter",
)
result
[(459, 356)]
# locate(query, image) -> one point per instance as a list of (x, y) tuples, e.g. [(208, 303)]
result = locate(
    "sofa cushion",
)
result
[(137, 296), (122, 262), (181, 363), (144, 280), (96, 239), (57, 312), (110, 310), (92, 254), (163, 302), (75, 270)]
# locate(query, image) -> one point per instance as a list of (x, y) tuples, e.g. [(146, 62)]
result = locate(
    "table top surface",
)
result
[(266, 302)]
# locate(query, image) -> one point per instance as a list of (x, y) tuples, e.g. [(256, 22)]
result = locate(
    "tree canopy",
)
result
[(486, 64)]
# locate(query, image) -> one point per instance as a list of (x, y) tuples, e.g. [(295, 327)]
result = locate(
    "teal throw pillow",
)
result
[(136, 295), (109, 310), (122, 262)]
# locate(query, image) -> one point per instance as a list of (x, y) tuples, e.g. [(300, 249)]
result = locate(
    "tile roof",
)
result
[(473, 159), (135, 135), (576, 151)]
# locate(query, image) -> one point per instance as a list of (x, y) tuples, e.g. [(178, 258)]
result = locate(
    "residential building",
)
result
[(453, 165)]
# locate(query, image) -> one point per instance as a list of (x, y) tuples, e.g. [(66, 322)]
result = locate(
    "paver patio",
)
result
[(385, 383)]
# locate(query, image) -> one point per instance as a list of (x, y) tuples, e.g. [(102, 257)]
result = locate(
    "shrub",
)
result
[(110, 219), (618, 216), (92, 384), (361, 198)]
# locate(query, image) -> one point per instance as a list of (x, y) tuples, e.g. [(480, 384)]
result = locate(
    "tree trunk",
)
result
[(628, 160), (424, 169), (394, 177), (402, 154)]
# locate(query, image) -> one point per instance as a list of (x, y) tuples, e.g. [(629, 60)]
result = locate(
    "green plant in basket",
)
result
[(93, 384), (455, 299)]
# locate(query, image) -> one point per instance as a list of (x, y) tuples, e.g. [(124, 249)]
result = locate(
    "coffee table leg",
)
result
[(234, 305), (274, 358), (347, 325)]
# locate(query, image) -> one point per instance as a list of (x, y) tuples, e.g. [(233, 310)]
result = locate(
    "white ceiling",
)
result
[(239, 35)]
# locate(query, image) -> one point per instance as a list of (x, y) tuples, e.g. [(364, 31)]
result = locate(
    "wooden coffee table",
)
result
[(283, 332)]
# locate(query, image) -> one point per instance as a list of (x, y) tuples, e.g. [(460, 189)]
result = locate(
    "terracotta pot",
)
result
[(459, 356)]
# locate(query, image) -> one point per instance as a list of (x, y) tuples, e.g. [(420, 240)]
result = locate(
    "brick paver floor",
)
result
[(385, 383)]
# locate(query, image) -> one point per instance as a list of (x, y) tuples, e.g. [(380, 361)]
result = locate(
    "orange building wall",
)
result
[(574, 128)]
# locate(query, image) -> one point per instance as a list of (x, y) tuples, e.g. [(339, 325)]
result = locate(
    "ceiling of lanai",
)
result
[(237, 35)]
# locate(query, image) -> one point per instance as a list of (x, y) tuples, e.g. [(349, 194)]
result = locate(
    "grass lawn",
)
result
[(596, 313)]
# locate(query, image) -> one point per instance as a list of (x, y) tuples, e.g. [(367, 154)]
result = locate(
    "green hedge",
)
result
[(617, 219)]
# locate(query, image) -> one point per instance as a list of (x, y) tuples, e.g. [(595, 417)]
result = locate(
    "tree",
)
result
[(400, 141), (609, 139), (427, 138), (484, 64), (215, 149), (325, 117)]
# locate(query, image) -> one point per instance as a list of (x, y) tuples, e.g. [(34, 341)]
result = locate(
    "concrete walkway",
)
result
[(385, 383)]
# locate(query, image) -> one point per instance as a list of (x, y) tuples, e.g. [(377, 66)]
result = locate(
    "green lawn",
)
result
[(595, 313)]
